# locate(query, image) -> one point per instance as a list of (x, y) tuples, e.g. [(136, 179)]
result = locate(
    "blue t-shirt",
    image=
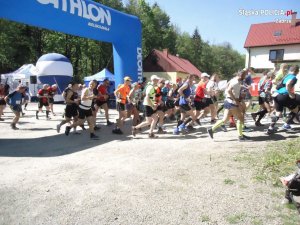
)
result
[(15, 98), (248, 80), (165, 92), (292, 77)]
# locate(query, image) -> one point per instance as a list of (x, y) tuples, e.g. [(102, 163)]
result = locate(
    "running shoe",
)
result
[(258, 124), (223, 128), (36, 115), (244, 138), (117, 131), (161, 131), (109, 123), (152, 135), (181, 127), (94, 137), (13, 126), (210, 133), (270, 131), (67, 131), (176, 131), (58, 128), (247, 129), (286, 127)]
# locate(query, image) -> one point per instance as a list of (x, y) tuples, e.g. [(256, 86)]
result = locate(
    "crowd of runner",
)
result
[(153, 103)]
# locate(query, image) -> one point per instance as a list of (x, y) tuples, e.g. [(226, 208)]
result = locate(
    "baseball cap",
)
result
[(205, 75), (127, 79), (154, 77)]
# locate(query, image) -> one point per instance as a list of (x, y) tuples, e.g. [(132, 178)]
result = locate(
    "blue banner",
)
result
[(87, 19)]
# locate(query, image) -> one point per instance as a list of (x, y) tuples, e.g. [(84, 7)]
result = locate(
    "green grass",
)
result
[(229, 181), (205, 218), (234, 219), (278, 160)]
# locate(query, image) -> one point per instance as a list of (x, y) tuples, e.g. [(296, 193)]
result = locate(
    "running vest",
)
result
[(151, 94), (283, 90), (86, 104)]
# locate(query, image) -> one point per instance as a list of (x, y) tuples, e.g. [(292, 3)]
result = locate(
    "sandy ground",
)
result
[(50, 178)]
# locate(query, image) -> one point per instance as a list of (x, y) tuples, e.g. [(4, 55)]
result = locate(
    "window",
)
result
[(276, 55), (277, 33)]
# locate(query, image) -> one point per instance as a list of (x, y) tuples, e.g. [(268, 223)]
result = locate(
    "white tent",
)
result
[(101, 76), (22, 75)]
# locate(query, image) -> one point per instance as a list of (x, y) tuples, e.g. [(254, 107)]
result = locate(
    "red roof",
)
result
[(158, 61), (263, 34)]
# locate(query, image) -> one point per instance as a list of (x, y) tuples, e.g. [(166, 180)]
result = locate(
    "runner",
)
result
[(161, 109), (14, 100), (72, 102), (102, 99), (52, 91), (43, 95), (285, 97), (85, 110), (122, 97), (265, 98), (2, 101), (187, 114), (150, 106), (132, 105), (232, 106)]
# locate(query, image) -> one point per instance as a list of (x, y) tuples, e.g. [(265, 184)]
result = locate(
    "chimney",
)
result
[(166, 52), (294, 19)]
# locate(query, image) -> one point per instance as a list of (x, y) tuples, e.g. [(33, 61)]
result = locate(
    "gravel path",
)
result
[(48, 178)]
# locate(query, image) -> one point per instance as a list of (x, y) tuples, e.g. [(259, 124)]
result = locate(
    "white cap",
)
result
[(205, 75), (154, 77)]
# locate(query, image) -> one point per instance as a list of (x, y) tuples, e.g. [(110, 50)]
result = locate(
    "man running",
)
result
[(85, 110), (43, 95), (52, 90), (102, 99), (122, 94), (232, 106), (72, 102), (14, 100), (150, 107), (285, 97)]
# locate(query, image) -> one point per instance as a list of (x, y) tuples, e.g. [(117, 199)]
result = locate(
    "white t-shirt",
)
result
[(86, 104), (235, 85), (211, 85)]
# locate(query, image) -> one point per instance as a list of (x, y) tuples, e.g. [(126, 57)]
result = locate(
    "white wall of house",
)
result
[(259, 56)]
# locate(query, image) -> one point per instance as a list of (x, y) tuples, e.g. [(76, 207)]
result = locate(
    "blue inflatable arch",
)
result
[(87, 19)]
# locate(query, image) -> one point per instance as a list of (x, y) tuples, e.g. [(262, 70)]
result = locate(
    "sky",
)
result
[(221, 21)]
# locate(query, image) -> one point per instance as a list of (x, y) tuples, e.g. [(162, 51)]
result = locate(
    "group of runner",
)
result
[(153, 103)]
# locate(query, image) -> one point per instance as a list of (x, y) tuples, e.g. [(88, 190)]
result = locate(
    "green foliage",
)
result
[(21, 44)]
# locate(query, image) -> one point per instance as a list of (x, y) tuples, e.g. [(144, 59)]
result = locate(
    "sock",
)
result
[(274, 120), (240, 128), (217, 125), (261, 115), (26, 105), (290, 117)]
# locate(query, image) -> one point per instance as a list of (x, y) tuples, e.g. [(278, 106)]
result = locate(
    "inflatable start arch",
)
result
[(87, 19)]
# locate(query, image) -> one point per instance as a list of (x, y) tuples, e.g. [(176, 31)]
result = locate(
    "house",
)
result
[(270, 44), (168, 66)]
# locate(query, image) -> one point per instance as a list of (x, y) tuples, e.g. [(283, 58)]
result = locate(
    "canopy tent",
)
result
[(23, 75), (100, 76)]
